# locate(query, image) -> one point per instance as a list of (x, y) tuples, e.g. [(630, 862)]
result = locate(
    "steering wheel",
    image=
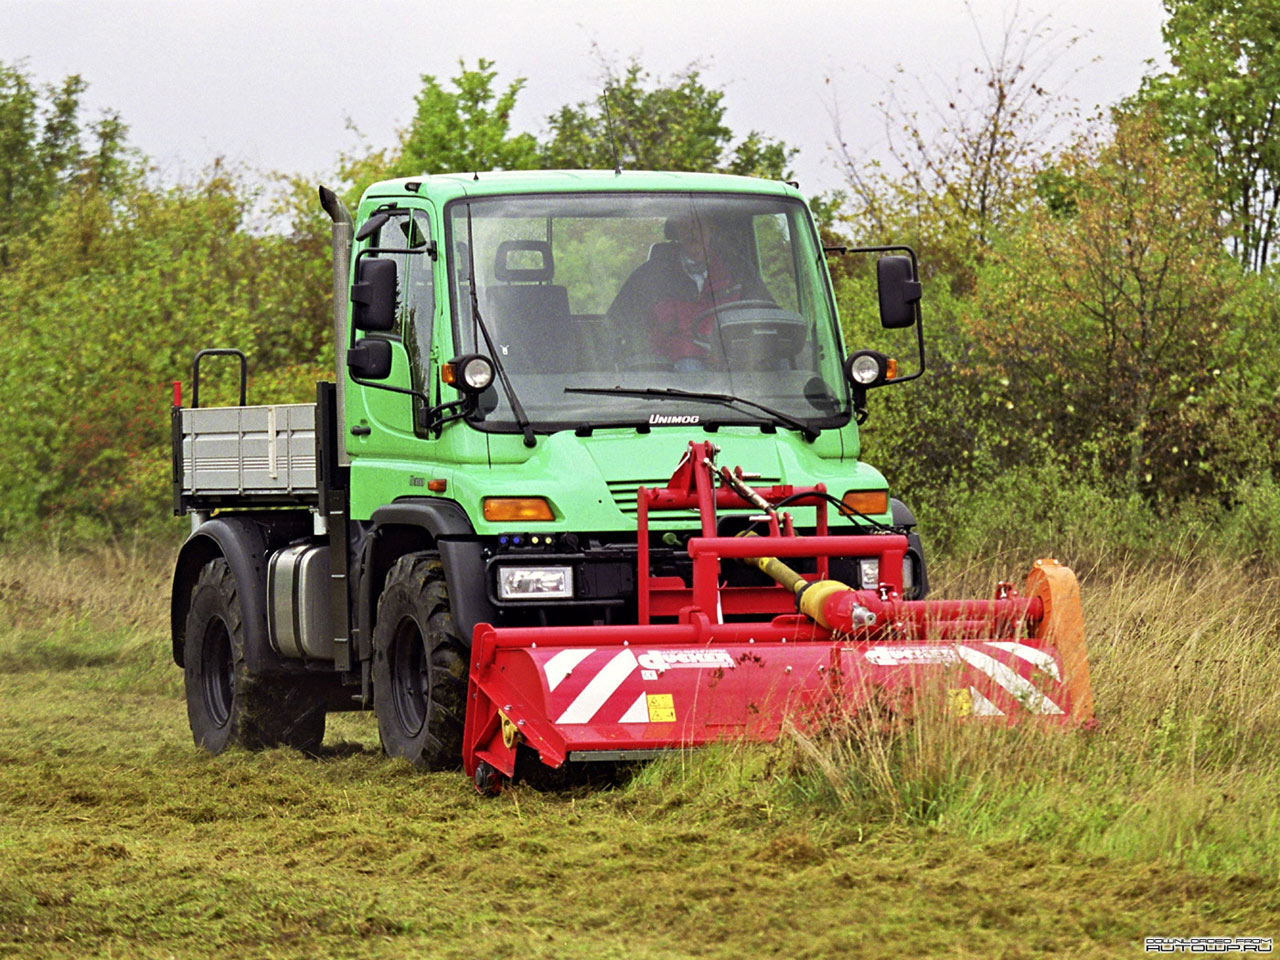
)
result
[(735, 305), (764, 330)]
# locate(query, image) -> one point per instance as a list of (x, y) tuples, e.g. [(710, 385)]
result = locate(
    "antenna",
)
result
[(613, 143)]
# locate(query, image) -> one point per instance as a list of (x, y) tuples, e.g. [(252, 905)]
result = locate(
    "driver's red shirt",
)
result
[(677, 330)]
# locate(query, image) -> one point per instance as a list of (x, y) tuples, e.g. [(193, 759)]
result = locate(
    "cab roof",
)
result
[(448, 186)]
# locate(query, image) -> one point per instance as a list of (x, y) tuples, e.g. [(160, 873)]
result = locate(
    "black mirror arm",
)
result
[(383, 386), (434, 420), (432, 417), (919, 371), (919, 349), (860, 411)]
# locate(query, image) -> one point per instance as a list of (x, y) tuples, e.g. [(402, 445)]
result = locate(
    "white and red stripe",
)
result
[(1004, 675)]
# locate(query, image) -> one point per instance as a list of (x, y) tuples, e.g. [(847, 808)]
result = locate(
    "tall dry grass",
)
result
[(89, 606), (1182, 765)]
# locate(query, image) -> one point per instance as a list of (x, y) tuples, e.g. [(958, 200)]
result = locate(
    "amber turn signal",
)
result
[(448, 373), (516, 508), (870, 502)]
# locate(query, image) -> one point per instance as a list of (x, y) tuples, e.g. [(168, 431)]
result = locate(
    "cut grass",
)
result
[(119, 838)]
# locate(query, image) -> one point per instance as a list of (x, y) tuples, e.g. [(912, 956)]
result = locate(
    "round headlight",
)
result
[(470, 373), (866, 368), (477, 373)]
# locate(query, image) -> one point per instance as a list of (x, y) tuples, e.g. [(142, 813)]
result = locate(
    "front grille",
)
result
[(624, 495)]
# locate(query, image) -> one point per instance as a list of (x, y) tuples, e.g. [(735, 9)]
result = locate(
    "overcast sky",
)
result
[(272, 85)]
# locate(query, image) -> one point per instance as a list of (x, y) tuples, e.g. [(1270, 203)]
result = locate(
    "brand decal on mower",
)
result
[(662, 420), (678, 659), (896, 656)]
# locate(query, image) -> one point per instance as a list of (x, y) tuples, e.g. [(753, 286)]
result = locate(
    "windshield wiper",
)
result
[(517, 408), (724, 399)]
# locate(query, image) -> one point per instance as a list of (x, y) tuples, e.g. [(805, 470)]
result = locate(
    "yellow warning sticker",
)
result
[(960, 702), (662, 708)]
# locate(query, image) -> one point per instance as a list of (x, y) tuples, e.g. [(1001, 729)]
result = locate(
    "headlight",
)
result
[(867, 368), (535, 583), (869, 573), (908, 577), (477, 373), (471, 373)]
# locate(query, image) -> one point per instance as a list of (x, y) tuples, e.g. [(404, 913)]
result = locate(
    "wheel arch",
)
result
[(903, 517), (415, 524), (245, 542)]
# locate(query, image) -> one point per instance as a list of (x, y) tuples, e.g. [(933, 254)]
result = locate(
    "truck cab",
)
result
[(518, 354)]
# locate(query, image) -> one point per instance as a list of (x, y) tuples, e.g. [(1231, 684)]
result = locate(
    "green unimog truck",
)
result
[(517, 354)]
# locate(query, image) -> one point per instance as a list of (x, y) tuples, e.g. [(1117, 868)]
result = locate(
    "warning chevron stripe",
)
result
[(1005, 674), (600, 688)]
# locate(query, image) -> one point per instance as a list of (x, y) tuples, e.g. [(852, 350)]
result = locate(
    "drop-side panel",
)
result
[(251, 452)]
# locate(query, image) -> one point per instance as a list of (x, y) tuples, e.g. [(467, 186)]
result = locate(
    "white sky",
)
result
[(272, 84)]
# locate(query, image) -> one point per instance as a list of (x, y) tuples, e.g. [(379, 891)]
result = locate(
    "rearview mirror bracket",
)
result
[(900, 292)]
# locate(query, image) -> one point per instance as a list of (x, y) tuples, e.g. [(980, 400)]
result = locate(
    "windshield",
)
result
[(709, 293)]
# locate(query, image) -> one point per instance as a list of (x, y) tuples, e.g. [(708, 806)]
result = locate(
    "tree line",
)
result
[(1101, 311)]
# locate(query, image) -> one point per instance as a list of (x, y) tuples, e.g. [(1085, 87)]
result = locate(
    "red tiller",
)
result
[(707, 662)]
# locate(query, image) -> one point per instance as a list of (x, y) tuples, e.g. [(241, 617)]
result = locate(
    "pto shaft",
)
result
[(821, 602)]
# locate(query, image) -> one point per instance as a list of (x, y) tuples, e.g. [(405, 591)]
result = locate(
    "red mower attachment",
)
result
[(709, 662)]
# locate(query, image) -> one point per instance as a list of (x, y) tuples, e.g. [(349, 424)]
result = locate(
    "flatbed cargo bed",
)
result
[(245, 456)]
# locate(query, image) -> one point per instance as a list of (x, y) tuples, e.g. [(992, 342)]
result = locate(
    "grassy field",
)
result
[(118, 838)]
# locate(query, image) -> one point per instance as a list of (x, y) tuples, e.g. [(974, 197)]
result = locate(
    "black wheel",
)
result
[(419, 667), (488, 780), (226, 706)]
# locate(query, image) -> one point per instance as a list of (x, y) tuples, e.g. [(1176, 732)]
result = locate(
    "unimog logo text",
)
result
[(659, 420)]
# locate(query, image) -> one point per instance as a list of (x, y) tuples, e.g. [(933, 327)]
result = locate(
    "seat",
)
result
[(664, 250), (529, 315)]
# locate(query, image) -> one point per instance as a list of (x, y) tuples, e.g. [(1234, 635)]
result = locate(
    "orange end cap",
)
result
[(1063, 628), (448, 374)]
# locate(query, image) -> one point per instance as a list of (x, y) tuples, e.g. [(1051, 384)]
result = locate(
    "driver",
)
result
[(676, 291)]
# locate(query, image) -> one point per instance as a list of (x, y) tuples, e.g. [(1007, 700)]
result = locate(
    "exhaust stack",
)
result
[(343, 231)]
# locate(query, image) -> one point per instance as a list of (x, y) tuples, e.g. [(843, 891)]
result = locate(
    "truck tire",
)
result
[(419, 667), (226, 706)]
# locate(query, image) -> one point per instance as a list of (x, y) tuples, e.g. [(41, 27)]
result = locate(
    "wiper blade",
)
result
[(724, 399), (517, 408)]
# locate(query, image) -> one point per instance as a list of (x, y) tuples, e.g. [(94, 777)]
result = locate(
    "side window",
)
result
[(405, 239), (777, 262), (419, 296)]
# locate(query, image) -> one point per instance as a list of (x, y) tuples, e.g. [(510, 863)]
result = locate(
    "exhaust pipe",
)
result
[(343, 231)]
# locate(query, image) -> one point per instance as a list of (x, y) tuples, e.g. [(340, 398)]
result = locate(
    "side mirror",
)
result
[(370, 359), (373, 295), (372, 225), (899, 293)]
